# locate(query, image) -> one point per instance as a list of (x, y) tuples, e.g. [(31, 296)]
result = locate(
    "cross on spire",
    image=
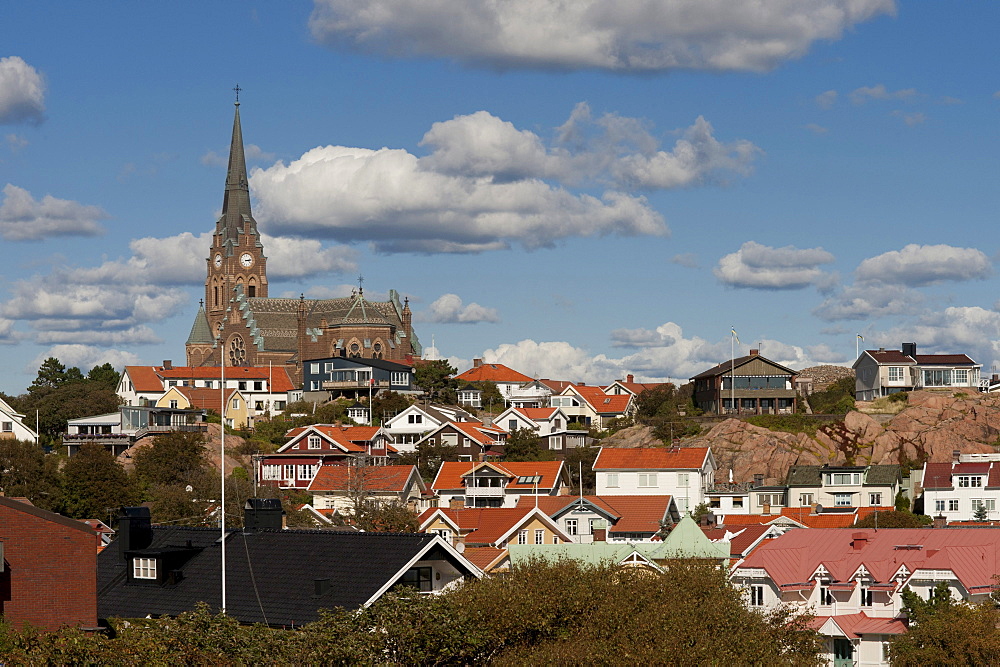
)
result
[(237, 89), (361, 288)]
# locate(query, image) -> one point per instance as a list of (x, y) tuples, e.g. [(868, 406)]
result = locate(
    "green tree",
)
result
[(580, 460), (51, 374), (436, 379), (837, 399), (386, 405), (944, 631), (178, 458), (383, 517), (68, 400), (94, 484), (26, 471), (893, 519), (492, 399), (980, 514), (523, 444), (104, 376)]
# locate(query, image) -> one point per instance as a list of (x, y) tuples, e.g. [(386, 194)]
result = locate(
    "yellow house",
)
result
[(235, 415)]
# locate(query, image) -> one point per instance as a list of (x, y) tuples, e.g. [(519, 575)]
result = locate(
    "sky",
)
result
[(576, 190)]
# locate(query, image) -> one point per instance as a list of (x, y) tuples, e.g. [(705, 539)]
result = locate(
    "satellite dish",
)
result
[(819, 509), (460, 547), (189, 488)]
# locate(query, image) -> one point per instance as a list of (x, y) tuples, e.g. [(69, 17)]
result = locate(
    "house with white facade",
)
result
[(506, 379), (685, 473), (957, 489), (120, 430), (589, 519), (297, 462), (591, 406), (491, 484), (882, 372), (852, 579), (841, 487), (407, 427), (12, 425), (549, 423), (340, 487)]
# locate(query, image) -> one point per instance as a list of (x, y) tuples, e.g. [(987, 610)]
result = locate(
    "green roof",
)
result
[(201, 332), (687, 540)]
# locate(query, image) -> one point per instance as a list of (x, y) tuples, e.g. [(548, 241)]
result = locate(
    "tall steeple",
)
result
[(237, 254)]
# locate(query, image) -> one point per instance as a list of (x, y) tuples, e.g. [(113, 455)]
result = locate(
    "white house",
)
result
[(407, 427), (12, 425), (882, 372), (549, 423), (955, 490), (852, 580), (685, 473), (506, 379), (472, 484), (591, 406)]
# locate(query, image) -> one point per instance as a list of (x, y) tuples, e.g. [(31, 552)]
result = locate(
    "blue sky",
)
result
[(578, 192)]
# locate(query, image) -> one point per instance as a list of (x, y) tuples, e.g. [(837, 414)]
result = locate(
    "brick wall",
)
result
[(50, 568)]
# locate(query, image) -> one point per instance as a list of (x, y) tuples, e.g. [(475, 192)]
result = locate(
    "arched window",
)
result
[(237, 351)]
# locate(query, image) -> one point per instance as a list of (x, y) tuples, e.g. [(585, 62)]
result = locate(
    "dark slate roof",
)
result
[(201, 332), (236, 214), (726, 366), (812, 475), (270, 573)]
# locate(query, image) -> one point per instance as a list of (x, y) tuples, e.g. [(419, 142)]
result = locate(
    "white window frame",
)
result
[(270, 471), (970, 481), (757, 595), (647, 480), (315, 442), (843, 500), (288, 472), (306, 471), (611, 480), (953, 504), (895, 373), (875, 499), (522, 537), (144, 568), (683, 480), (314, 368), (539, 536), (572, 527), (399, 378)]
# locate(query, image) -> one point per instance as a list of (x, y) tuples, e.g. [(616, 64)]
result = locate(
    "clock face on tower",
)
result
[(218, 261), (246, 260)]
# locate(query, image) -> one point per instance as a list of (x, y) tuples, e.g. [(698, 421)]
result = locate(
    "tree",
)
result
[(26, 471), (391, 517), (523, 444), (51, 374), (428, 458), (580, 460), (945, 631), (387, 404), (94, 484), (837, 399), (492, 399), (67, 400), (435, 378), (178, 458), (105, 376), (893, 519), (980, 514)]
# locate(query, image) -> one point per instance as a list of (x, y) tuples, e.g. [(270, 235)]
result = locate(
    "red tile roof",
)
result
[(970, 553), (451, 473), (536, 414), (150, 378), (557, 386), (387, 479), (632, 514), (651, 458), (945, 359), (741, 539), (603, 403), (482, 525), (890, 357), (938, 475), (493, 373), (855, 625), (204, 398), (478, 432), (483, 557)]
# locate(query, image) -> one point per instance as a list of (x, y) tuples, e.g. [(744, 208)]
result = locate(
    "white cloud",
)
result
[(881, 93), (22, 92), (687, 259), (824, 354), (827, 99), (23, 218), (85, 357), (663, 335), (917, 265), (967, 330), (763, 267), (868, 301), (136, 335), (816, 129), (911, 119), (632, 35), (15, 142), (487, 185), (449, 308)]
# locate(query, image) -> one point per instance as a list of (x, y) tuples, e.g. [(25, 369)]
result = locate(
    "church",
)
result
[(237, 324)]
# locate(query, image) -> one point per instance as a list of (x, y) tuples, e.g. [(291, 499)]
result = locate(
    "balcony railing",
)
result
[(354, 384), (485, 491)]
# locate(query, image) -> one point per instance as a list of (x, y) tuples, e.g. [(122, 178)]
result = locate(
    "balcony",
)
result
[(355, 384), (485, 491)]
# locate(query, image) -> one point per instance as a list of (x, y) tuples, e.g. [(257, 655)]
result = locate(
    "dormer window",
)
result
[(969, 481), (315, 442), (144, 568)]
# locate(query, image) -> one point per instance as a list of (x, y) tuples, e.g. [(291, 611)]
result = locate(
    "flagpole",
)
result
[(222, 474)]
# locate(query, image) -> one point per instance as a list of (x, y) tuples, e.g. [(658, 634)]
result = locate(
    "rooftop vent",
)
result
[(908, 547)]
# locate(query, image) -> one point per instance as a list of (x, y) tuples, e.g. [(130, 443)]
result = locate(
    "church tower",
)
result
[(237, 255)]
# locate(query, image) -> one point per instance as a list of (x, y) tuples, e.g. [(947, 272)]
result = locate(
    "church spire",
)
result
[(236, 201)]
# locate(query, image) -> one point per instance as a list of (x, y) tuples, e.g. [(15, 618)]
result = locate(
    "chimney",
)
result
[(859, 541), (320, 587), (767, 508), (956, 455), (135, 529), (630, 378), (758, 480), (476, 363), (167, 364), (754, 353), (262, 513), (456, 503), (940, 521), (910, 349)]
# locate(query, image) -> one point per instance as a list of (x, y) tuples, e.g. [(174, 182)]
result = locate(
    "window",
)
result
[(419, 578), (682, 480), (895, 374), (953, 504), (757, 595), (825, 596), (970, 481), (445, 533), (842, 499), (960, 376), (737, 503), (173, 403), (236, 404), (875, 499), (258, 386), (555, 442), (271, 471), (612, 480), (258, 405), (775, 499), (307, 470), (843, 478), (522, 537), (866, 597), (555, 539), (241, 385), (647, 480), (399, 379), (144, 568), (315, 442), (511, 424), (938, 505), (572, 527), (529, 479), (314, 368), (539, 536), (805, 499), (288, 471), (314, 385)]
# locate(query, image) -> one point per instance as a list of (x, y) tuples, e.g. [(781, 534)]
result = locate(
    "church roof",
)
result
[(362, 312), (201, 332)]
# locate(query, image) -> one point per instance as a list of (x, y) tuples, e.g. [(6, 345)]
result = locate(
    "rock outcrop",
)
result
[(931, 427)]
